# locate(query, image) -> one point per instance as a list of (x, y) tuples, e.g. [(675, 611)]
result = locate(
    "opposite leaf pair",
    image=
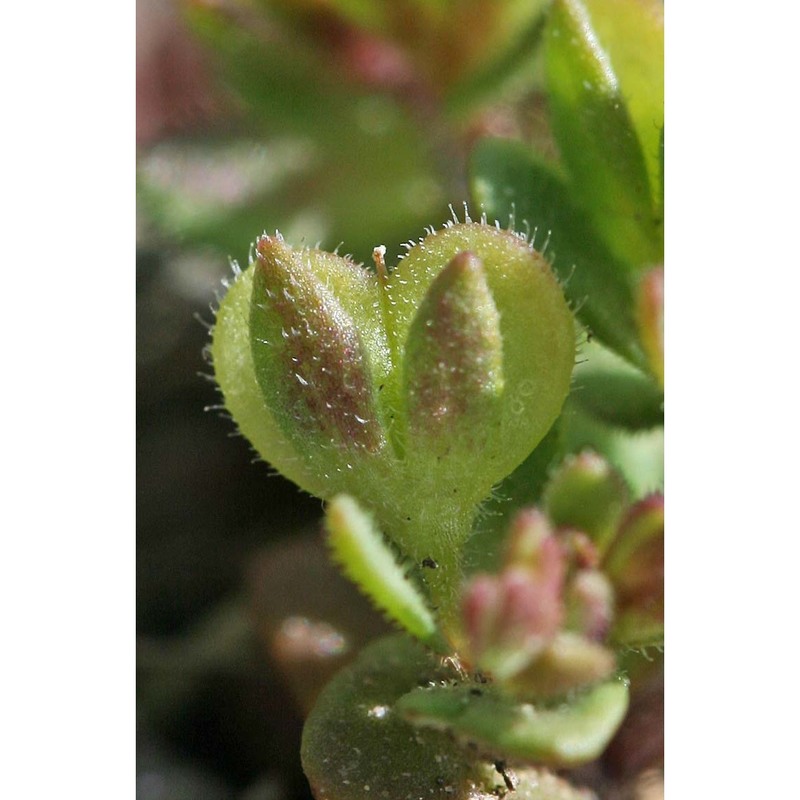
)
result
[(387, 386)]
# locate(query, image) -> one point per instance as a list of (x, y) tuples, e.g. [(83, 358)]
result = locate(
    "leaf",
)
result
[(538, 341), (596, 137), (508, 182), (358, 547), (632, 33), (613, 391), (572, 733), (355, 744)]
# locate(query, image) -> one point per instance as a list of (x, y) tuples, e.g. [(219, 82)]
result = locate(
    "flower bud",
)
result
[(529, 531), (454, 362), (635, 559), (588, 494), (590, 603), (569, 662), (511, 617), (310, 360)]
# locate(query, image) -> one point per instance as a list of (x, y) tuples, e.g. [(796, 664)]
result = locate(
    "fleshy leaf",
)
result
[(508, 182), (574, 732), (359, 548), (356, 744), (354, 737), (596, 136), (537, 340)]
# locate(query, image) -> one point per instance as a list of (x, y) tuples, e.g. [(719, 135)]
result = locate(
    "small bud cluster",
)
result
[(574, 577)]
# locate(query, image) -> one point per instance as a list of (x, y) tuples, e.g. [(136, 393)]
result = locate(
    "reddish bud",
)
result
[(635, 560), (453, 361), (588, 494), (510, 618), (310, 362), (591, 604)]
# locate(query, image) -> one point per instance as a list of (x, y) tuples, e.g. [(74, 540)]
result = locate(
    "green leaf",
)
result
[(355, 744), (359, 548), (508, 182), (614, 392), (574, 732), (596, 136), (632, 33)]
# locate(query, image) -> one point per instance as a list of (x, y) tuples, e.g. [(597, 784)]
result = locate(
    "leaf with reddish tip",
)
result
[(510, 618), (454, 363), (310, 359), (587, 493), (530, 539), (635, 564)]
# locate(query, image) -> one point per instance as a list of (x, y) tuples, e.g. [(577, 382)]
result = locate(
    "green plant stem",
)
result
[(438, 538)]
